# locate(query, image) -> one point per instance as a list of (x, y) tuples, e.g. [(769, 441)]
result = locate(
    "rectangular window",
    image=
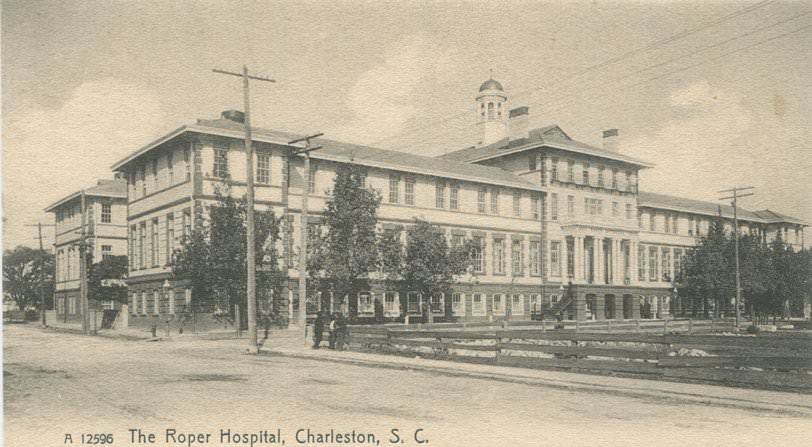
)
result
[(134, 304), (554, 169), (666, 223), (555, 258), (156, 301), (365, 304), (517, 203), (106, 213), (498, 302), (413, 302), (477, 304), (143, 172), (629, 186), (615, 209), (72, 305), (409, 193), (674, 226), (517, 304), (391, 304), (477, 254), (142, 246), (516, 257), (641, 262), (153, 247), (187, 222), (677, 262), (652, 222), (585, 174), (652, 263), (600, 177), (614, 178), (553, 206), (571, 171), (107, 251), (531, 162), (480, 199), (187, 163), (458, 304), (535, 258), (155, 180), (439, 194), (665, 270), (629, 211), (536, 206), (498, 256), (454, 197), (437, 303), (535, 303), (170, 297), (144, 302), (311, 179), (690, 225), (264, 168), (170, 167), (220, 168), (394, 188), (570, 206), (131, 249), (495, 201), (170, 237)]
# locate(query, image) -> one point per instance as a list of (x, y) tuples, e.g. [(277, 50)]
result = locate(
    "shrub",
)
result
[(753, 329)]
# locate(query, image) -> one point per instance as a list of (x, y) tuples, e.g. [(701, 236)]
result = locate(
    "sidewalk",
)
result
[(292, 345)]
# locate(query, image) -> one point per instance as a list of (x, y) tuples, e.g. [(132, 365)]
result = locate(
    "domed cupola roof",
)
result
[(491, 84)]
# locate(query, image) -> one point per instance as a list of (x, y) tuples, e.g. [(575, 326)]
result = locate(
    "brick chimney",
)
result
[(610, 137), (519, 123)]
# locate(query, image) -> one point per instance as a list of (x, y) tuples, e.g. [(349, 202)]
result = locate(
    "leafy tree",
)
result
[(706, 274), (111, 269), (428, 264), (24, 269), (345, 254), (214, 257)]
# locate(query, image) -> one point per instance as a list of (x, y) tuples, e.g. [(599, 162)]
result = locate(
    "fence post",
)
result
[(712, 324), (637, 325), (608, 326), (665, 326), (576, 325), (690, 326), (498, 347), (543, 326)]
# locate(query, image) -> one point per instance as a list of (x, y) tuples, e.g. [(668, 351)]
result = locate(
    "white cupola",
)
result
[(491, 106)]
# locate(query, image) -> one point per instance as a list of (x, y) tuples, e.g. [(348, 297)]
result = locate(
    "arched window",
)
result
[(490, 110)]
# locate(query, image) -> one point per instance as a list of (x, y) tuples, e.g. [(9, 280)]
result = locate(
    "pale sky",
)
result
[(716, 94)]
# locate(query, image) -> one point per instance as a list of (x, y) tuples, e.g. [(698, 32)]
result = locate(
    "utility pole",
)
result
[(41, 272), (303, 228), (251, 292), (738, 192)]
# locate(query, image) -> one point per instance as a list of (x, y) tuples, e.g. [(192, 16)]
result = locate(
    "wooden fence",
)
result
[(774, 361), (685, 325)]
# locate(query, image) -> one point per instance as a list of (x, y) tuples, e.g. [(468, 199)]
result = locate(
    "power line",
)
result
[(610, 61), (666, 74)]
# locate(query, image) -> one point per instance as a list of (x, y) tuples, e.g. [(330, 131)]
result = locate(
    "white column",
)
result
[(634, 261), (579, 258), (597, 249)]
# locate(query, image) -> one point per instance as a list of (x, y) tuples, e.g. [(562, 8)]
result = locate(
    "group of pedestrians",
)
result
[(336, 325)]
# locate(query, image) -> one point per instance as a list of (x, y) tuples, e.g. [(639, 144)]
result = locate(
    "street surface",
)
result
[(58, 383)]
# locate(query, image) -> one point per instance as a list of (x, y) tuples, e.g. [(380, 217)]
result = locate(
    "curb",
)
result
[(566, 385)]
